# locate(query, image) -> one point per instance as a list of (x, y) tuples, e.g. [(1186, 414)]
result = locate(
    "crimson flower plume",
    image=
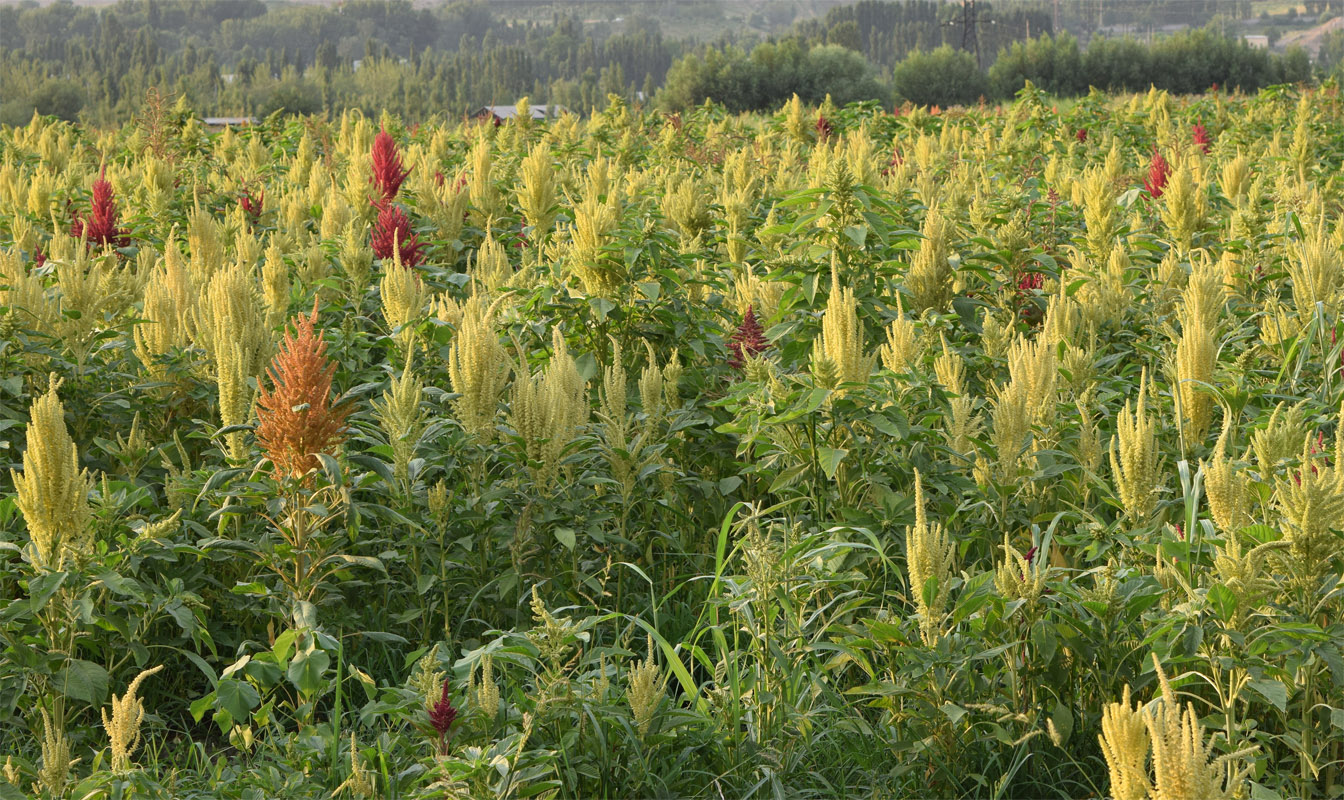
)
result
[(1158, 172), (388, 172), (392, 231), (747, 341), (101, 224)]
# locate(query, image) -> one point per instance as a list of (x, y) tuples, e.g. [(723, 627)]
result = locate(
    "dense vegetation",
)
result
[(249, 58), (829, 453)]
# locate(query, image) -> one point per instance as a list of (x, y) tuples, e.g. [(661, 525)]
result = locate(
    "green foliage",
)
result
[(657, 561), (941, 77)]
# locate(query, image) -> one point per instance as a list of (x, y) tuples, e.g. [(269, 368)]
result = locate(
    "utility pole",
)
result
[(970, 39), (1055, 22)]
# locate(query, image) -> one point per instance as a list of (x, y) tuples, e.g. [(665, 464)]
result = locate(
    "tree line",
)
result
[(249, 58)]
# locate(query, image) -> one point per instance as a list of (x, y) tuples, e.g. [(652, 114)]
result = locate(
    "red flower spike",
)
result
[(1201, 137), (1030, 280), (252, 206), (1158, 172), (747, 341), (101, 225), (442, 716), (1081, 135), (824, 128), (388, 173), (297, 419), (393, 230)]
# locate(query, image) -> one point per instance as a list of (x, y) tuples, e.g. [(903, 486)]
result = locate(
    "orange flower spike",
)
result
[(298, 420)]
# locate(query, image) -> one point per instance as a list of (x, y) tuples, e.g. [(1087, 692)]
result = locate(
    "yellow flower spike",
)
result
[(1134, 457), (548, 408), (1124, 743), (1182, 769), (229, 324), (478, 368), (402, 419), (645, 692), (537, 196), (841, 342), (56, 760), (52, 491), (123, 725), (929, 553), (930, 277), (904, 349)]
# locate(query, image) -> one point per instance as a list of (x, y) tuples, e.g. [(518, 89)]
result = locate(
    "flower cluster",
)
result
[(101, 224), (1200, 135), (392, 233), (297, 418), (747, 341), (388, 173), (1158, 172)]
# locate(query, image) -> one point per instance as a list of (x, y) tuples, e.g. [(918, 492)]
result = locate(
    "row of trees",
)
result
[(249, 58), (1185, 63), (246, 57)]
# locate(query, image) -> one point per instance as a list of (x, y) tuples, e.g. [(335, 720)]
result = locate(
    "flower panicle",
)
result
[(388, 172), (747, 342), (101, 224), (1158, 172), (392, 234), (298, 419)]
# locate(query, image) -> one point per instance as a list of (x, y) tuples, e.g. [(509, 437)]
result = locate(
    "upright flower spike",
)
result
[(52, 492), (441, 716), (388, 172), (1200, 135), (747, 342), (929, 553), (1158, 172), (392, 233), (101, 224), (1124, 743), (297, 417), (123, 725), (1134, 457), (252, 204)]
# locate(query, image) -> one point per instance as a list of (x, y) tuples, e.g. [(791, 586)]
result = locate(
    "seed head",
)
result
[(388, 173), (123, 726), (52, 491), (297, 417)]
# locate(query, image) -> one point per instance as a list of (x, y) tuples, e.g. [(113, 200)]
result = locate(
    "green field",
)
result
[(970, 452)]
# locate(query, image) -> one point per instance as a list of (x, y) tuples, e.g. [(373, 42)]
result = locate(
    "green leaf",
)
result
[(1273, 691), (601, 307), (236, 697), (565, 536), (649, 289), (41, 588), (830, 458), (84, 681), (729, 485), (954, 712), (306, 670), (1223, 601), (1063, 719)]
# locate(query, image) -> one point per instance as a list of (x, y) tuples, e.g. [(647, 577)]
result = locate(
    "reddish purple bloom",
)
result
[(747, 341), (1158, 171), (252, 205), (1201, 137), (393, 231), (101, 224), (1030, 280), (388, 173), (1081, 135), (441, 716), (824, 128)]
